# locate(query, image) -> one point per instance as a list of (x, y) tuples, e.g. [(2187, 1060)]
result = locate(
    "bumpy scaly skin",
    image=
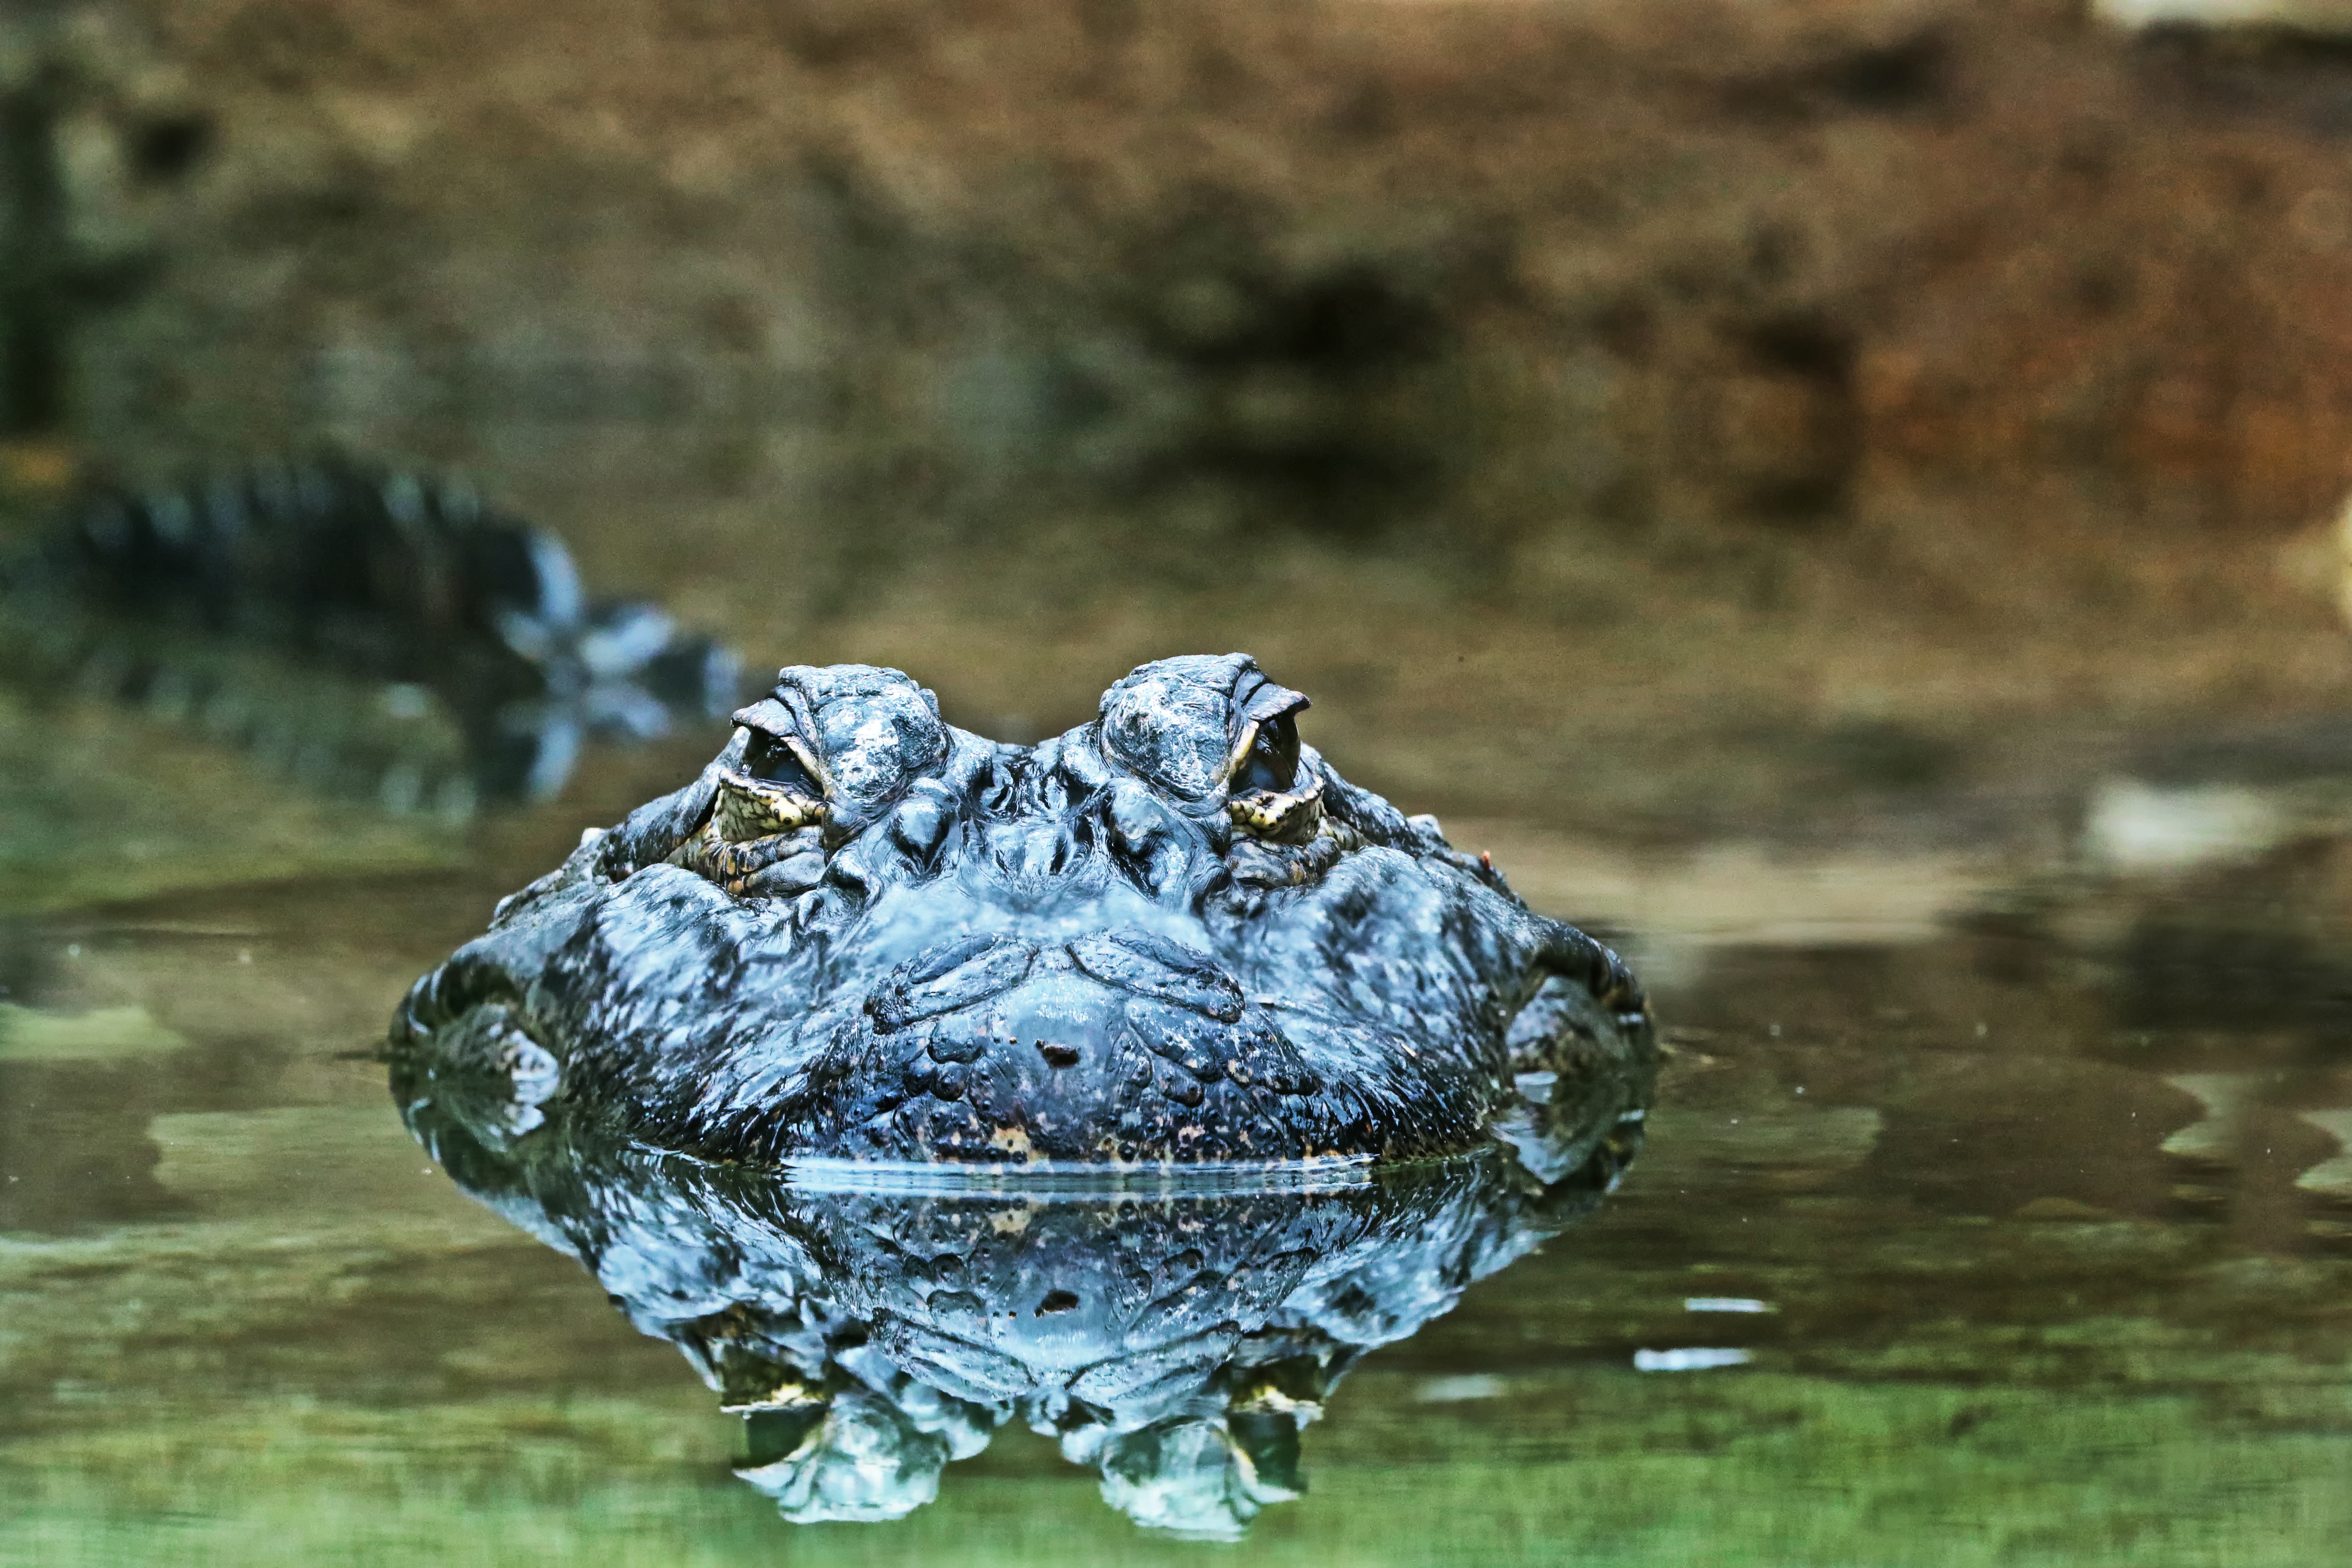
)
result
[(1170, 936)]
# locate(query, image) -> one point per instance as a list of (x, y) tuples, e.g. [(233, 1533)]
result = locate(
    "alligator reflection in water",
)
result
[(1176, 1338), (375, 631)]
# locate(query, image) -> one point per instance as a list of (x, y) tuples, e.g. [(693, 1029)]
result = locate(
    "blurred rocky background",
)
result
[(1674, 410)]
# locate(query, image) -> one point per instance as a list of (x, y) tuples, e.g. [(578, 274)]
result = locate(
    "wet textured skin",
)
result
[(1171, 936)]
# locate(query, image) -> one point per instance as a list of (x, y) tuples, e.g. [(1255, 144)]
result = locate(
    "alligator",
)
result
[(309, 607), (1171, 937), (1175, 1339)]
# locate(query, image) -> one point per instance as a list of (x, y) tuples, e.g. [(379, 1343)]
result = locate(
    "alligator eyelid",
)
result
[(815, 764), (1245, 744)]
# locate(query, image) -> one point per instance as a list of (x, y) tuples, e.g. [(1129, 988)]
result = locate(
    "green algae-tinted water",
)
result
[(2044, 1199)]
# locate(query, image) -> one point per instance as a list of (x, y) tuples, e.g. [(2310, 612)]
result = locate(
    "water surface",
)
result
[(2020, 1195)]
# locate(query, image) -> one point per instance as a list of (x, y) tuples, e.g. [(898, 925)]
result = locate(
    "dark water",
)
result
[(1981, 1219)]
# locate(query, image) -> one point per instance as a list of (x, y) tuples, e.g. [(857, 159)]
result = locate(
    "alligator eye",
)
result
[(1271, 761), (1262, 797), (770, 759), (777, 789)]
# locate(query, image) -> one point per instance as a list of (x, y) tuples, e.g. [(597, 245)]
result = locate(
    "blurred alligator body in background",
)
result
[(373, 631)]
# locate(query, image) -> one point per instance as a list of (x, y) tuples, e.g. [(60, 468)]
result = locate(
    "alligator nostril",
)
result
[(1057, 1301), (1058, 1054)]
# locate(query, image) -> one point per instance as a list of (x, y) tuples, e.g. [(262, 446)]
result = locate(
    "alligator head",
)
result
[(1170, 936)]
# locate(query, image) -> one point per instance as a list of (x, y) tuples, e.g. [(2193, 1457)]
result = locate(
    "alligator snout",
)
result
[(1110, 1044), (951, 976), (958, 974)]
